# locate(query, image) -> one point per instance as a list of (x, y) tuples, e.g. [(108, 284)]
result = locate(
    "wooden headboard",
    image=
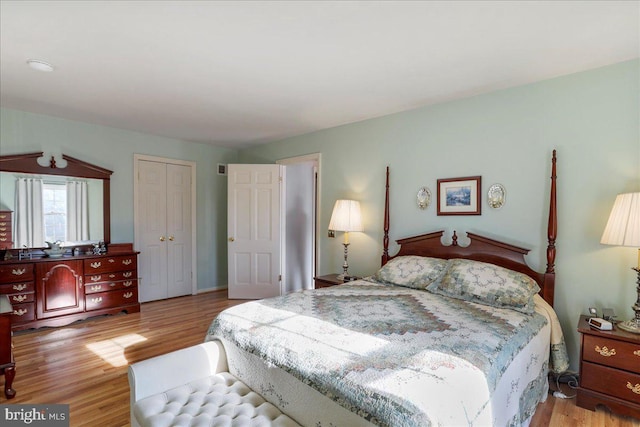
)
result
[(482, 248)]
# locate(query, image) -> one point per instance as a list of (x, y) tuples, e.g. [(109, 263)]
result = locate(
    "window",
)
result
[(55, 211)]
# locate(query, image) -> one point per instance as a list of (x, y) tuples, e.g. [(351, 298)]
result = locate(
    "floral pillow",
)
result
[(411, 271), (487, 284)]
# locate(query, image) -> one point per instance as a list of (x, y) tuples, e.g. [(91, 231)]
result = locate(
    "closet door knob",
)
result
[(171, 238), (231, 239), (162, 238)]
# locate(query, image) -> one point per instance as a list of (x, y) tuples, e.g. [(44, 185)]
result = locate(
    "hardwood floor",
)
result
[(85, 364)]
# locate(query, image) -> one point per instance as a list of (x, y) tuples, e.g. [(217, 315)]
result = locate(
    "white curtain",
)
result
[(77, 211), (29, 226)]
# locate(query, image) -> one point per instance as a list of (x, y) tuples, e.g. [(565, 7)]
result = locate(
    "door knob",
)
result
[(162, 238), (171, 238), (231, 239)]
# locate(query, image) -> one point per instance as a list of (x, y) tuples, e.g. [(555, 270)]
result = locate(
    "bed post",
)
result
[(385, 240), (552, 233)]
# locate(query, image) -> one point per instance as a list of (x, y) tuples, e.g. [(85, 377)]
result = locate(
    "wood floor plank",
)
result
[(85, 364)]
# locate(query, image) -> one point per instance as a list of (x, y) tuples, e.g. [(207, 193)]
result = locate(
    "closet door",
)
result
[(164, 230), (151, 229), (178, 230)]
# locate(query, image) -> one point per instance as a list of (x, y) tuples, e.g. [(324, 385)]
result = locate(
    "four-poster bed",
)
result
[(440, 335)]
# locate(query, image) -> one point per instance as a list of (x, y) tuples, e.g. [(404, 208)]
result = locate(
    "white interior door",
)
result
[(179, 272), (151, 229), (254, 230), (164, 229)]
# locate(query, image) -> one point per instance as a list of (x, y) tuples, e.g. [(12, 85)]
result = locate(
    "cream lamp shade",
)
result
[(623, 229), (346, 216)]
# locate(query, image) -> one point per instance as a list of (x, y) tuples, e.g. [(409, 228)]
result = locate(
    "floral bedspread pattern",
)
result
[(372, 348)]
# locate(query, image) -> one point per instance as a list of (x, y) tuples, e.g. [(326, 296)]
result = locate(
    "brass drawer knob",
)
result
[(19, 287), (96, 300), (95, 264), (604, 351), (637, 353), (96, 278), (18, 271), (128, 295), (633, 388), (20, 312), (19, 298)]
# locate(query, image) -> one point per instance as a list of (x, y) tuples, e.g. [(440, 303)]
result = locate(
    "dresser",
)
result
[(58, 291), (6, 233), (7, 364), (609, 370), (111, 282)]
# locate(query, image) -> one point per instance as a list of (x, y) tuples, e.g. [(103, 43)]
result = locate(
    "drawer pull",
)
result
[(19, 298), (3, 234), (18, 271), (127, 283), (633, 388), (96, 288), (96, 300), (19, 287), (637, 352), (128, 274), (95, 264), (111, 276), (604, 351), (96, 278), (20, 312), (130, 294), (111, 260), (126, 261)]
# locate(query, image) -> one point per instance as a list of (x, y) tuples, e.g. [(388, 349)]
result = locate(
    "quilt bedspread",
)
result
[(380, 351)]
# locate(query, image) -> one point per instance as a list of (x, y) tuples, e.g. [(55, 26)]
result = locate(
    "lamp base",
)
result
[(633, 325), (630, 326)]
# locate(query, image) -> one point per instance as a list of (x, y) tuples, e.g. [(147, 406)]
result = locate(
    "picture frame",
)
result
[(460, 196)]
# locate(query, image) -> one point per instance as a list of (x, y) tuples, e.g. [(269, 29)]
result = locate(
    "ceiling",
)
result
[(237, 74)]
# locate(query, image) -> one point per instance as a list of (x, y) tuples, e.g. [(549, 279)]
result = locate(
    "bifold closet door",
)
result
[(165, 230)]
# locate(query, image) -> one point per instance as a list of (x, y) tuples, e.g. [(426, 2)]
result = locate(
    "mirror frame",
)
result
[(28, 163)]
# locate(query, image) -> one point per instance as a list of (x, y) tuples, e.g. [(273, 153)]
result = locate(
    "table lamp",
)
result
[(346, 217), (623, 229)]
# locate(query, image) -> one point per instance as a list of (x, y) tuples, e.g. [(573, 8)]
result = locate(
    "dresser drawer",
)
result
[(10, 273), (109, 264), (23, 313), (613, 382), (110, 277), (21, 298), (111, 299), (617, 354), (14, 288), (110, 286)]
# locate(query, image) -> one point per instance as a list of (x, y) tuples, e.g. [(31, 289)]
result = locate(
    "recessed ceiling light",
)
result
[(40, 65)]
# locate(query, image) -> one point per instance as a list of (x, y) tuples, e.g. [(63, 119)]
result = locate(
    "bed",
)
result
[(442, 334)]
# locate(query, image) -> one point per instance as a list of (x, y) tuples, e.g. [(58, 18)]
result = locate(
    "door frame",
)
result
[(194, 224), (317, 157)]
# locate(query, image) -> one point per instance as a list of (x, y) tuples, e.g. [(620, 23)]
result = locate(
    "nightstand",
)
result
[(327, 280), (609, 369)]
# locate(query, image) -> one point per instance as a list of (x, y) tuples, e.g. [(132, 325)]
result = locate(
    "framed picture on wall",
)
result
[(459, 196)]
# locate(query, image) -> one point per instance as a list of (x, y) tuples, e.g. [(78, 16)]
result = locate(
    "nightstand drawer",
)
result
[(617, 354), (613, 382)]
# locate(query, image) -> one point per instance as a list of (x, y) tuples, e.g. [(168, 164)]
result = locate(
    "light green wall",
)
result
[(591, 118), (113, 149)]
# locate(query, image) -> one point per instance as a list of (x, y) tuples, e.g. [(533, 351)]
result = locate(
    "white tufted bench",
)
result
[(190, 387)]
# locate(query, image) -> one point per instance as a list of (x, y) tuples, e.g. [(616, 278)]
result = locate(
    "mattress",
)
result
[(370, 354)]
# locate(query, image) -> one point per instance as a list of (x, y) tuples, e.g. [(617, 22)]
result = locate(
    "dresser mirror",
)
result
[(87, 185)]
